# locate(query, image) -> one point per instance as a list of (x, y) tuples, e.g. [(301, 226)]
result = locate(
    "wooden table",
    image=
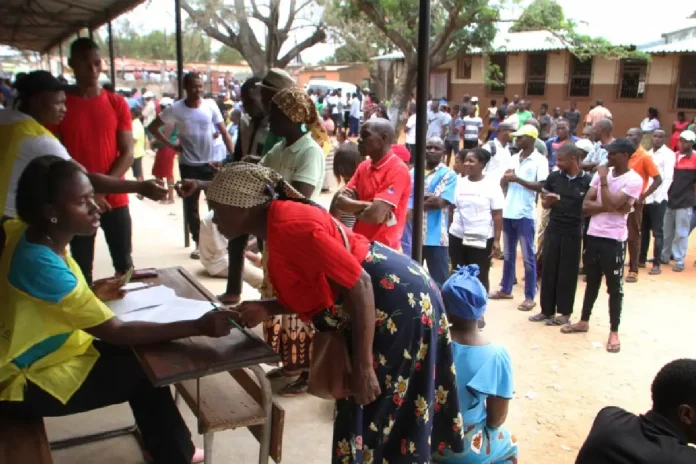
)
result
[(196, 357)]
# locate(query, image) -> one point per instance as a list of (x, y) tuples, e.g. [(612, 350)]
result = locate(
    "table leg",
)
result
[(267, 403)]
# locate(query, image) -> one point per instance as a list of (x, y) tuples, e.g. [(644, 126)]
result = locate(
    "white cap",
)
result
[(148, 94), (474, 99), (688, 135), (166, 101)]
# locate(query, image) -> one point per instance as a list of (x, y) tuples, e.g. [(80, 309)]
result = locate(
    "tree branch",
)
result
[(256, 14), (318, 36), (447, 31), (231, 40), (378, 19)]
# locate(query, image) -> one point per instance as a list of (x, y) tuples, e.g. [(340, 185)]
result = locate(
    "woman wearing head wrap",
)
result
[(404, 404), (300, 160), (484, 376)]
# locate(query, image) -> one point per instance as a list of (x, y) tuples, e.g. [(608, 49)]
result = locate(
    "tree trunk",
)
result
[(402, 94)]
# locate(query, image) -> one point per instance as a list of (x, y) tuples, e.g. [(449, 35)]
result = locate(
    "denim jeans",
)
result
[(693, 222), (521, 230), (436, 258), (676, 228)]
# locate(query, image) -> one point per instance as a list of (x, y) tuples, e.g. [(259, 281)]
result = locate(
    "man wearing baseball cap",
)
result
[(524, 180), (680, 203), (611, 197)]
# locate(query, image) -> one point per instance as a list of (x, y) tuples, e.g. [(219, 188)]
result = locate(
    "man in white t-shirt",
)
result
[(500, 153), (411, 130), (436, 121), (197, 120), (524, 180)]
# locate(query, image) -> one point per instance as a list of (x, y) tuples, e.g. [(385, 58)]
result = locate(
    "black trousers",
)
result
[(235, 256), (116, 378), (604, 257), (470, 143), (451, 146), (117, 227), (559, 272), (191, 214), (461, 255), (653, 221)]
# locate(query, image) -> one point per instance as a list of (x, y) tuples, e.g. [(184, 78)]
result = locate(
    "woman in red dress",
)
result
[(678, 127), (405, 405)]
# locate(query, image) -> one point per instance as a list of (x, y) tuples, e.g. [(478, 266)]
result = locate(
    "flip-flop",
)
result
[(613, 347), (541, 317), (527, 307), (571, 329), (298, 387), (500, 296), (655, 271), (556, 321)]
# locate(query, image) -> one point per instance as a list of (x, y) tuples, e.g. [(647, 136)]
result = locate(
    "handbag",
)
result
[(330, 366)]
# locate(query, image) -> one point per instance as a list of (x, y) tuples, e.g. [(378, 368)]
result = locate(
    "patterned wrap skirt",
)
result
[(287, 335), (417, 412), (484, 445)]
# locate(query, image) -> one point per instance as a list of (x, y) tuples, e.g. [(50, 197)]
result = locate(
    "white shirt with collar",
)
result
[(520, 202), (664, 159), (500, 162), (355, 108)]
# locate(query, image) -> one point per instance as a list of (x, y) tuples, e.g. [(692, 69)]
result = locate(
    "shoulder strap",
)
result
[(346, 243)]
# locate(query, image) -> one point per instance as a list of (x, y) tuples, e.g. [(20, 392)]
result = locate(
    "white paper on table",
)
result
[(152, 296), (177, 309)]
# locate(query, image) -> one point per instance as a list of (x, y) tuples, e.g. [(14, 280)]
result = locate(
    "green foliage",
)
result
[(540, 15), (228, 55), (159, 45), (693, 16)]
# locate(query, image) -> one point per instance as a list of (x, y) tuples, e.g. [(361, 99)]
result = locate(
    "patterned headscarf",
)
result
[(299, 108), (246, 185)]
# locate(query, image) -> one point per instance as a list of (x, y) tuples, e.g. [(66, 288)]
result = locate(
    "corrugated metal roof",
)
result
[(683, 46), (40, 25), (531, 41)]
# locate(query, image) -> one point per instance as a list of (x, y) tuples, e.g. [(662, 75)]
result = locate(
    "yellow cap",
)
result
[(528, 130)]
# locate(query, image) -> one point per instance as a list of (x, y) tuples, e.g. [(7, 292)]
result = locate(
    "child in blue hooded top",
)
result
[(484, 376)]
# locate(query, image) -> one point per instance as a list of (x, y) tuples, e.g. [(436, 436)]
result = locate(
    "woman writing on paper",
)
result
[(56, 367), (404, 404)]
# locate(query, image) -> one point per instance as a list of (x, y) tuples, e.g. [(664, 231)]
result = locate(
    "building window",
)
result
[(633, 77), (536, 74), (580, 77), (497, 72), (686, 86), (464, 67)]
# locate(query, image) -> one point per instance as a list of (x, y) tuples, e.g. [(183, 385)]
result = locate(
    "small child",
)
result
[(345, 163), (138, 131)]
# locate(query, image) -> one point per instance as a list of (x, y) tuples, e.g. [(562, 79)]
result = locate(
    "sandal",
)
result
[(572, 328), (277, 373), (541, 317), (524, 306), (613, 347), (655, 270), (500, 295), (632, 278), (298, 387), (558, 321)]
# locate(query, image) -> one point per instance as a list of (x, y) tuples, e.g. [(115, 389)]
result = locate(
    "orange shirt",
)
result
[(643, 164)]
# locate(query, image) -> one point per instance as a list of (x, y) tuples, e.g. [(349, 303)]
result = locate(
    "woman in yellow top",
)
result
[(50, 364)]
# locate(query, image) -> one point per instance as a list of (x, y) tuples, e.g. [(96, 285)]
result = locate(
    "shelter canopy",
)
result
[(41, 25)]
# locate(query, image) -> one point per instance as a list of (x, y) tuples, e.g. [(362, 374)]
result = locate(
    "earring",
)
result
[(54, 220)]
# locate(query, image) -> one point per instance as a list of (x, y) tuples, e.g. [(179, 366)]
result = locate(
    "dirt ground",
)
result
[(561, 381)]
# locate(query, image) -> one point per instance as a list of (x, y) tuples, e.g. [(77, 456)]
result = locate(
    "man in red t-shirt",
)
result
[(97, 133), (378, 192)]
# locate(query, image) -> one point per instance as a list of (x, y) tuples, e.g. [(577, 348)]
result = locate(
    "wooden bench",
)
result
[(232, 400), (23, 441)]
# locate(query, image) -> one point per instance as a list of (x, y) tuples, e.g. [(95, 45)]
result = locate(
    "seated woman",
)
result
[(50, 364), (484, 376), (404, 404)]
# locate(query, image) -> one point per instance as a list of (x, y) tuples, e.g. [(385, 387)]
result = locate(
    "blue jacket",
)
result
[(552, 153)]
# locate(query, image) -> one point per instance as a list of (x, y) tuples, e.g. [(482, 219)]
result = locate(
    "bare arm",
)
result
[(154, 129), (497, 224), (496, 411), (657, 181), (434, 202), (359, 303), (305, 189), (612, 203), (124, 142), (226, 137)]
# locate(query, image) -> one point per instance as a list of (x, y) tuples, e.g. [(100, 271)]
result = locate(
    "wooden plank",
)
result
[(224, 404), (23, 441), (194, 357), (248, 382)]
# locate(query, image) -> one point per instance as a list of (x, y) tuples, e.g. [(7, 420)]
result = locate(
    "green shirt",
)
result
[(524, 115), (303, 161), (270, 141)]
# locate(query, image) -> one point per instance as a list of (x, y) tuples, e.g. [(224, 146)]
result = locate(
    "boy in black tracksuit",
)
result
[(563, 193)]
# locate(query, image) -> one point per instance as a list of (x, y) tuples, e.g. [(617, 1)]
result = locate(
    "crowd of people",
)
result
[(426, 385)]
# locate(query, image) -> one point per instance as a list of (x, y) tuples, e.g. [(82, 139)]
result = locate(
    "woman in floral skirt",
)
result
[(404, 405)]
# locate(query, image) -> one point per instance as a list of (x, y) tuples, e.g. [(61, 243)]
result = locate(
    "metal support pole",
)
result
[(112, 58), (180, 84), (60, 55), (421, 127), (90, 33)]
